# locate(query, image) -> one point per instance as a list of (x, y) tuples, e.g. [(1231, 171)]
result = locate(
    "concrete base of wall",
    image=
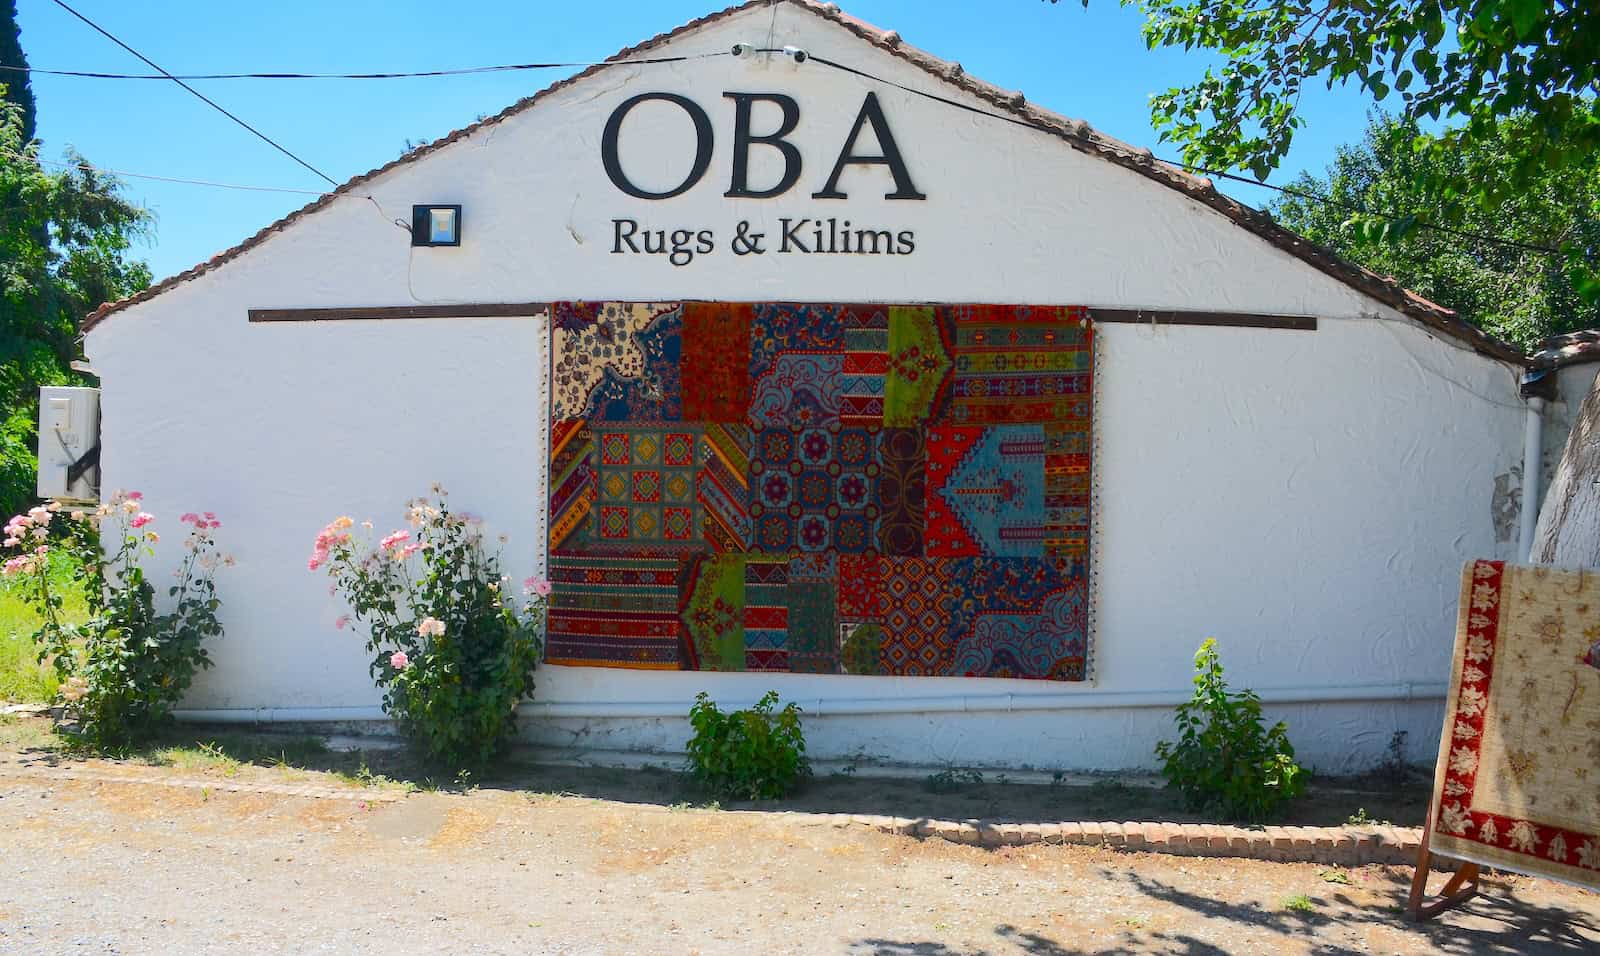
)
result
[(1335, 738)]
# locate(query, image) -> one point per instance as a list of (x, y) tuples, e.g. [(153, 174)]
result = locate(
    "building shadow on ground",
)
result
[(952, 794)]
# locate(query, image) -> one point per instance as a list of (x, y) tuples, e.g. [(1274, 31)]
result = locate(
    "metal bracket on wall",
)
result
[(81, 466)]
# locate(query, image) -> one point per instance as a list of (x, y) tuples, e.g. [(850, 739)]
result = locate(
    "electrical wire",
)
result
[(946, 101), (463, 71), (1356, 207), (90, 167), (203, 98), (1286, 190)]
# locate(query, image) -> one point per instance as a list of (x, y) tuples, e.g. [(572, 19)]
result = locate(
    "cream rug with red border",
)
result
[(1518, 780)]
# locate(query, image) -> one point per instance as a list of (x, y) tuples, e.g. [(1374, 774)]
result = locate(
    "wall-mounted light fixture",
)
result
[(436, 225)]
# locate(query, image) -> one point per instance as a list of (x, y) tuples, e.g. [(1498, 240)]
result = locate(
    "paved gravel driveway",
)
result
[(92, 866)]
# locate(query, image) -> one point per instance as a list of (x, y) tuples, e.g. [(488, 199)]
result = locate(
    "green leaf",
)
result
[(1586, 281), (1526, 15)]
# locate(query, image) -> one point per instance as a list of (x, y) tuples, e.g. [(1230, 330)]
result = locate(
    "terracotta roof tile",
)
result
[(1076, 133), (1574, 348)]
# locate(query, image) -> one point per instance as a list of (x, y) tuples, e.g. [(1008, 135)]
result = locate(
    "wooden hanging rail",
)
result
[(1241, 320), (360, 313)]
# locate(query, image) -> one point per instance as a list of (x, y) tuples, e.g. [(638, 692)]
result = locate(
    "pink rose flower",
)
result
[(342, 621), (134, 496), (141, 519), (393, 540), (188, 517), (537, 585), (399, 661)]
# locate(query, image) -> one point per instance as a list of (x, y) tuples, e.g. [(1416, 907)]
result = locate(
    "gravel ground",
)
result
[(94, 866)]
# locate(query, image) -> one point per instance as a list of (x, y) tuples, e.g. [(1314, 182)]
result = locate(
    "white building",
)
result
[(1289, 453)]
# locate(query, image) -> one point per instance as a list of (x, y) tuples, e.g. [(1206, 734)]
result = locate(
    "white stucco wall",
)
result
[(1307, 498)]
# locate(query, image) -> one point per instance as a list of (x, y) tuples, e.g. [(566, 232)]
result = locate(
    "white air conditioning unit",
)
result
[(69, 443)]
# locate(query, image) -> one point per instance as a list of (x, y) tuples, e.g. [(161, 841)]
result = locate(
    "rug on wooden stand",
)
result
[(1518, 780)]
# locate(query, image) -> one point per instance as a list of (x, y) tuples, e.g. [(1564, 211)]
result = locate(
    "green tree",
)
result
[(1521, 295), (1469, 63), (64, 242), (14, 65), (1463, 65)]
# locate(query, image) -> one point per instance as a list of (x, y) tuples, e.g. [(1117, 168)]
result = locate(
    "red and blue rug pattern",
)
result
[(822, 488)]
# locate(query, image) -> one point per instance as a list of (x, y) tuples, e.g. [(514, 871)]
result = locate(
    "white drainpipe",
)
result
[(1532, 467)]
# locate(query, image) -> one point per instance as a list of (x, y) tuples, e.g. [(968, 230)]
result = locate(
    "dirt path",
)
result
[(92, 866)]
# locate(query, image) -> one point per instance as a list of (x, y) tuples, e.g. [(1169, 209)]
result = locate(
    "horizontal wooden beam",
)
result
[(506, 310), (1243, 320), (1240, 320)]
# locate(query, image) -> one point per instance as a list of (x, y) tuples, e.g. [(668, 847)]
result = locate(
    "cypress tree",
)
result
[(15, 80)]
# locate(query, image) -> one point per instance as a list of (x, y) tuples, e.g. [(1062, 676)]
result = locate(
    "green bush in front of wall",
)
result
[(1226, 761), (755, 754), (122, 661), (453, 649)]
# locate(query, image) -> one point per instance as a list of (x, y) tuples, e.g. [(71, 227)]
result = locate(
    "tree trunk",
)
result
[(1568, 534)]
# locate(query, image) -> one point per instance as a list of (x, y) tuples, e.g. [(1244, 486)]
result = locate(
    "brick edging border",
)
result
[(1330, 846), (1333, 846)]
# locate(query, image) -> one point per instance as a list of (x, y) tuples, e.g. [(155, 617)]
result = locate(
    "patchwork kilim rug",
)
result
[(817, 488), (1518, 781)]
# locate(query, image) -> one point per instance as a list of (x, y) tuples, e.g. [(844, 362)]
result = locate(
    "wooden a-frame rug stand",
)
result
[(1462, 885)]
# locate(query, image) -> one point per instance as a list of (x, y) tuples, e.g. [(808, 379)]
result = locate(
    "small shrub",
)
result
[(1225, 760), (754, 754), (1299, 904), (1391, 768), (125, 665), (950, 780), (452, 650), (1362, 819)]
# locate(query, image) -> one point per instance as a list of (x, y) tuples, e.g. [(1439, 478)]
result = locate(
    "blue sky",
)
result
[(1089, 64)]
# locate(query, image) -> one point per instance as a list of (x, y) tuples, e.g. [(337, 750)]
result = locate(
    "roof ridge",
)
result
[(1076, 133)]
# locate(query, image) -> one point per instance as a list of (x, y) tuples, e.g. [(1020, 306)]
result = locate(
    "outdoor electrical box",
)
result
[(69, 443)]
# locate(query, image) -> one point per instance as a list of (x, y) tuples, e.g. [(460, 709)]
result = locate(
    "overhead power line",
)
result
[(90, 167), (511, 67), (203, 98), (1286, 190), (405, 75)]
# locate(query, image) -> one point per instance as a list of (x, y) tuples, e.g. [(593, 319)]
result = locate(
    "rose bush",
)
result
[(452, 650), (123, 668)]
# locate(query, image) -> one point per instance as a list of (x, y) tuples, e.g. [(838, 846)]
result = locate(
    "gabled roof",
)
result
[(1076, 133)]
